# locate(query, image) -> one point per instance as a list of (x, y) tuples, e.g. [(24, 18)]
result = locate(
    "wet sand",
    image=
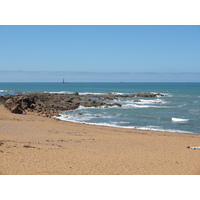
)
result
[(32, 144)]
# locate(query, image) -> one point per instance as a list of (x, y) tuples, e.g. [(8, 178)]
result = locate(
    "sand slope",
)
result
[(31, 144)]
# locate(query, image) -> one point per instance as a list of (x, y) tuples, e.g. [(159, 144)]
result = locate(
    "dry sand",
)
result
[(32, 144)]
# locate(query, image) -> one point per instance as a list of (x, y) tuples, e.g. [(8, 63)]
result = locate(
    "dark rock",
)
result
[(28, 146), (24, 105), (16, 109), (7, 96), (76, 94), (147, 95), (1, 143), (68, 100), (2, 100), (114, 104), (9, 103), (137, 101), (86, 99)]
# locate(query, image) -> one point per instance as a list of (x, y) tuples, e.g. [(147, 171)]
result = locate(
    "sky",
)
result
[(99, 53)]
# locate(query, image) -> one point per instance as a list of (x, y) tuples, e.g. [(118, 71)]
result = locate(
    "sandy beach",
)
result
[(37, 145)]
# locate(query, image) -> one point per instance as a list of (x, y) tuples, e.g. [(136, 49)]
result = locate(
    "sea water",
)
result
[(177, 111)]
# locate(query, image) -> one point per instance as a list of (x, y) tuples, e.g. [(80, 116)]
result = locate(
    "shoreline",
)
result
[(129, 127), (38, 145), (54, 105)]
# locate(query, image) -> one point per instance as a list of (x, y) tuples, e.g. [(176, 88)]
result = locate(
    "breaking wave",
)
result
[(119, 124), (3, 91), (179, 120)]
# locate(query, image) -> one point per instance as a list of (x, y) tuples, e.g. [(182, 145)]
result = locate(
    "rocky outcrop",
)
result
[(148, 95), (47, 104), (112, 96), (17, 104), (137, 101), (4, 98)]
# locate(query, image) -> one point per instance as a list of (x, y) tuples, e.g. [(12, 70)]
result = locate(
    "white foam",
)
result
[(84, 108), (154, 128), (84, 117), (98, 107), (162, 93), (61, 92), (5, 91), (142, 106), (179, 120), (98, 93), (156, 101), (73, 119), (141, 101), (150, 128), (120, 122), (118, 93), (91, 93), (99, 124), (97, 116), (136, 106), (120, 114), (166, 95)]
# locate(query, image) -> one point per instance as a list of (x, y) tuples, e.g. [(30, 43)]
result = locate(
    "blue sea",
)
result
[(178, 111)]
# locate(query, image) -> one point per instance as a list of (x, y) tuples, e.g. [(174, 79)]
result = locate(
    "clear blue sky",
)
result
[(100, 53)]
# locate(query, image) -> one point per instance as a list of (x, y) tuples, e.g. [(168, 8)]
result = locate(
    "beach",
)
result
[(36, 145)]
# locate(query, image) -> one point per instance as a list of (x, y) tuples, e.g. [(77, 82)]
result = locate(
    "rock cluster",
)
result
[(4, 98), (147, 94), (48, 104), (112, 96)]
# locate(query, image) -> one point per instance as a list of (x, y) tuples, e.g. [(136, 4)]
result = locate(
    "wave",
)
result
[(121, 122), (179, 120), (142, 101), (167, 95), (5, 91), (114, 124), (156, 101), (61, 92), (125, 106), (136, 106), (84, 117), (98, 93), (142, 106), (164, 93), (154, 128), (85, 93), (121, 114), (84, 108), (92, 93)]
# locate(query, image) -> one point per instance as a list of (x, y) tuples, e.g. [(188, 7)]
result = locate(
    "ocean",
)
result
[(177, 111)]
